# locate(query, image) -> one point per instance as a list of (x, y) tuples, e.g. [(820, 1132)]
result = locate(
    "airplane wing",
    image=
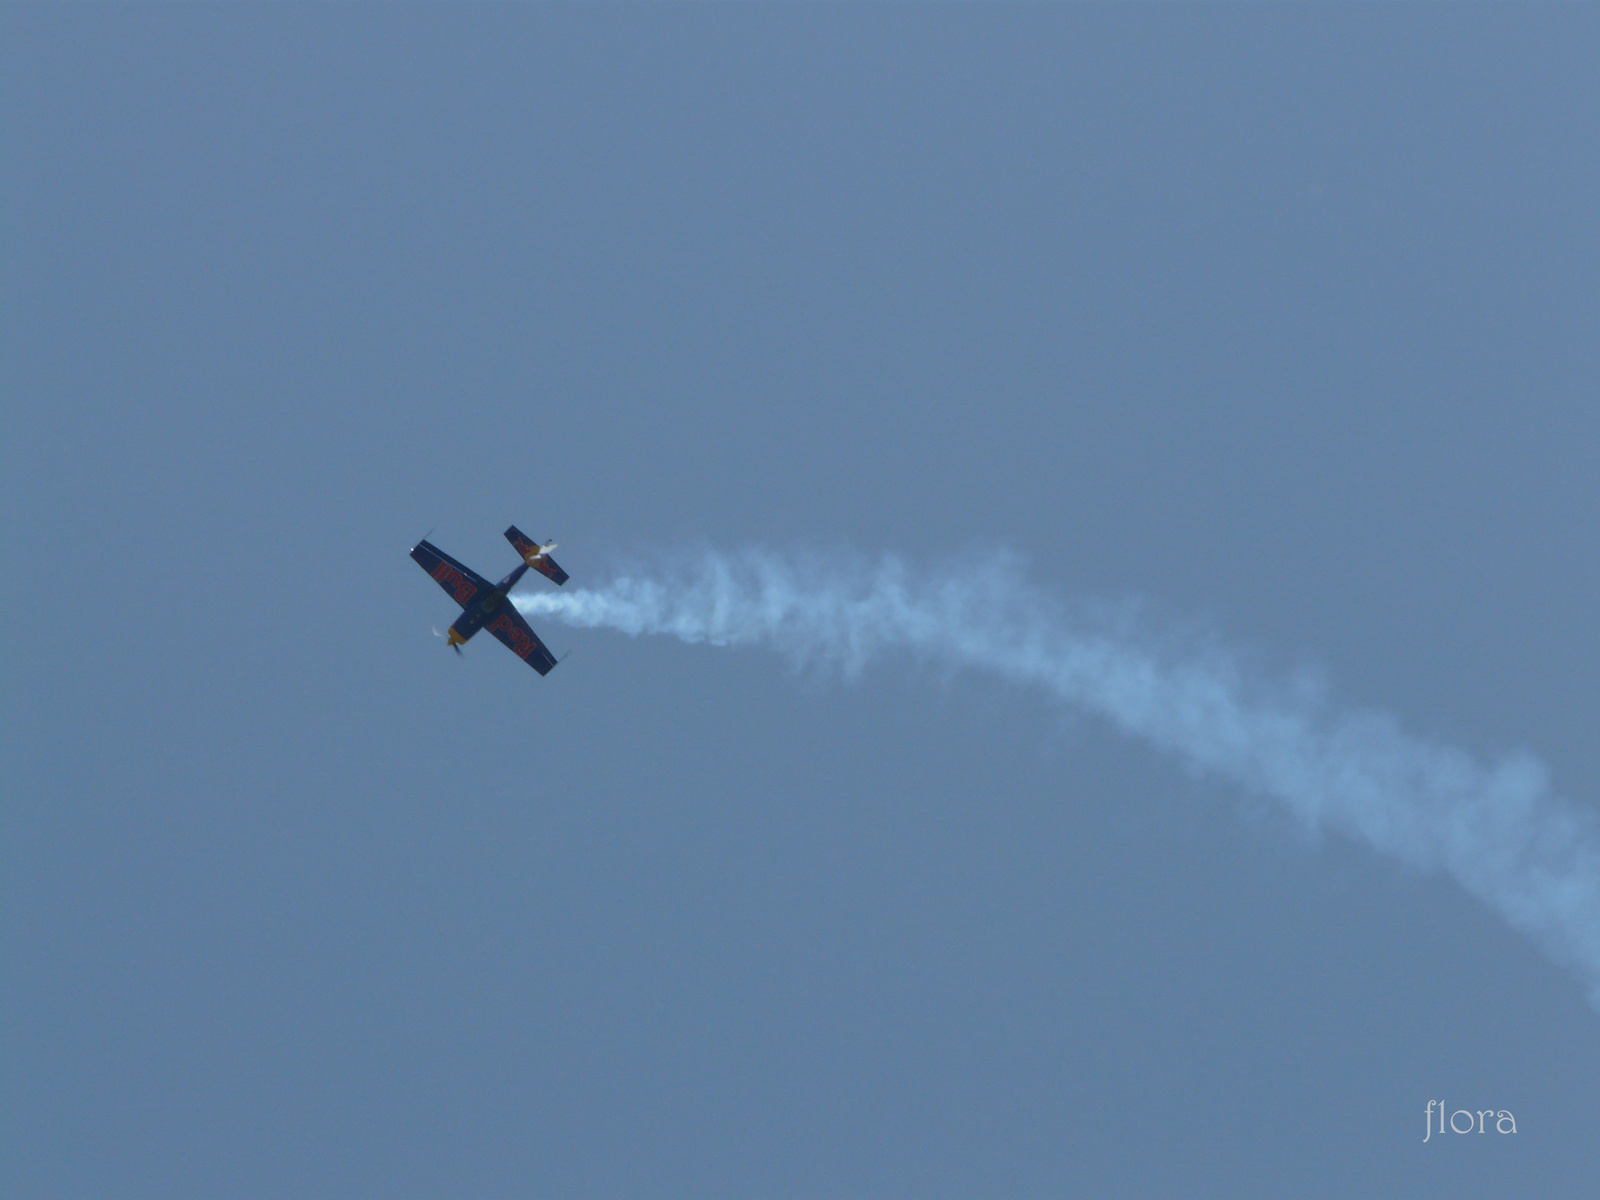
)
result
[(464, 584), (507, 625), (529, 549)]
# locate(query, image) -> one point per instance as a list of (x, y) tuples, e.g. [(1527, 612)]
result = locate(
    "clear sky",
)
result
[(1279, 320)]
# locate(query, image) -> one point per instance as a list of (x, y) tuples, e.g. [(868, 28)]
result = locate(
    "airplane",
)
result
[(484, 605)]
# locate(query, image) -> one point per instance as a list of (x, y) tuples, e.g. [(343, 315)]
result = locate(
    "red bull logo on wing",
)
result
[(521, 644), (454, 582)]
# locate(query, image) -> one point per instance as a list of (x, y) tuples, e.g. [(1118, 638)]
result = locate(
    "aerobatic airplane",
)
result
[(485, 605)]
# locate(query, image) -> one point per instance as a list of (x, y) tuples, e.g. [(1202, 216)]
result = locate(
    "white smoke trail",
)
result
[(1531, 856)]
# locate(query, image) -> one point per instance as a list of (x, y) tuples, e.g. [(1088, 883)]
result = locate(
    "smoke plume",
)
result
[(1496, 828)]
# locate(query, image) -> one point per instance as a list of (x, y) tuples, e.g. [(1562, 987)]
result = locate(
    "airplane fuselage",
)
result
[(479, 612)]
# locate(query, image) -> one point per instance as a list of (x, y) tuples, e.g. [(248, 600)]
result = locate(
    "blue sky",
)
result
[(1279, 321)]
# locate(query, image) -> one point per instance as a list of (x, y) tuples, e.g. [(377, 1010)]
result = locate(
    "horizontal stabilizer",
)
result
[(535, 555)]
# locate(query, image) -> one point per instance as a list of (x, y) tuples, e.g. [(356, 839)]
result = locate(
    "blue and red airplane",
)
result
[(484, 605)]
